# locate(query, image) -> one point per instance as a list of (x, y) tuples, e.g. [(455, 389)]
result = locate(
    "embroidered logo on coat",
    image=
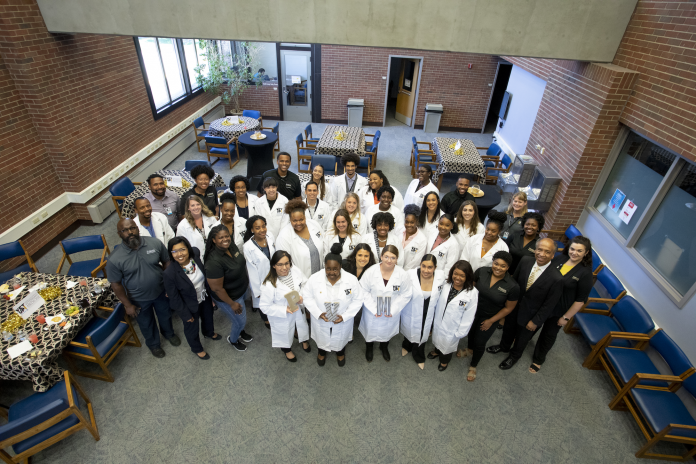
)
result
[(414, 250), (396, 288), (439, 289), (440, 254), (351, 247), (576, 278), (502, 290), (462, 303), (348, 291), (279, 210), (319, 234), (321, 216)]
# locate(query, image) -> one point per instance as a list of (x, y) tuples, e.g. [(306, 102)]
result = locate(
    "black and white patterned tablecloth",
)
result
[(127, 209), (354, 142), (43, 371), (469, 163), (229, 132)]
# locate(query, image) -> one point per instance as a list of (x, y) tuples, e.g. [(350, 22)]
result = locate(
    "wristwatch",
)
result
[(566, 318)]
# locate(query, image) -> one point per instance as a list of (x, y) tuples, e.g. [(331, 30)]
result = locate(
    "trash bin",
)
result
[(355, 112), (433, 113)]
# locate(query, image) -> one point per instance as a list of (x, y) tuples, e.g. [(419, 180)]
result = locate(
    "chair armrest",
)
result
[(429, 144), (104, 308), (137, 183), (635, 383), (98, 269), (496, 169), (60, 264), (601, 312), (602, 300), (599, 348), (489, 158), (77, 344)]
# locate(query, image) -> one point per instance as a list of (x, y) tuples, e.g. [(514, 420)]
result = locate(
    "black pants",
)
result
[(547, 338), (418, 351), (338, 353), (205, 314), (382, 345), (478, 338), (444, 358), (264, 318), (509, 330)]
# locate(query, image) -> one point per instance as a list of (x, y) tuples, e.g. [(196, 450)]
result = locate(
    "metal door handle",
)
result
[(286, 92)]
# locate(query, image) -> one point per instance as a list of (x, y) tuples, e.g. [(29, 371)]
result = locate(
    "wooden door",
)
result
[(408, 81)]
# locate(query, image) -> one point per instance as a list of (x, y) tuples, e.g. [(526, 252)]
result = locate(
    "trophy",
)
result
[(384, 306), (331, 311)]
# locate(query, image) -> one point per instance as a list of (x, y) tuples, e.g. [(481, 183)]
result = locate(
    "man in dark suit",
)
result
[(540, 290)]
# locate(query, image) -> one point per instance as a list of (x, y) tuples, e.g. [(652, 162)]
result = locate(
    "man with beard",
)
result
[(162, 200), (135, 270), (152, 224)]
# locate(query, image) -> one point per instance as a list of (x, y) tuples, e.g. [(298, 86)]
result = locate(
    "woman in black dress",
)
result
[(523, 243)]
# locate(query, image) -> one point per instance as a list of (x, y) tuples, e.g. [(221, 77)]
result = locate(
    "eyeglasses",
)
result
[(388, 258), (283, 264), (176, 252), (128, 229)]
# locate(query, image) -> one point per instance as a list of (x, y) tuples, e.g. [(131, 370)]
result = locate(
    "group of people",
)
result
[(317, 257)]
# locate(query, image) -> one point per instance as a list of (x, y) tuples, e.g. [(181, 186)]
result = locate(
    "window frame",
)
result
[(189, 93), (642, 222)]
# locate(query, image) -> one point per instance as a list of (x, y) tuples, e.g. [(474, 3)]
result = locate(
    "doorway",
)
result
[(402, 90), (500, 83), (296, 84)]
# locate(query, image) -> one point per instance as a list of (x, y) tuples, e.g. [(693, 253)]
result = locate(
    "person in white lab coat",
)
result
[(387, 290), (417, 315), (323, 183), (282, 279), (357, 218), (197, 222), (318, 210), (272, 206), (359, 261), (481, 248), (259, 246), (468, 223), (413, 240), (333, 298), (235, 224), (420, 187), (157, 223), (342, 232), (348, 182), (383, 234), (430, 214), (302, 238), (454, 312), (368, 195), (385, 205), (443, 245), (246, 204)]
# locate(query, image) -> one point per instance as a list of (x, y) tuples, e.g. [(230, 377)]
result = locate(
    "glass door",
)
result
[(296, 85)]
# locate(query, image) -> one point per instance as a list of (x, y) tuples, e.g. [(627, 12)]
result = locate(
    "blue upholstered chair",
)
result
[(100, 341), (308, 134), (328, 162), (90, 267), (492, 155), (597, 264), (365, 163), (200, 129), (305, 151), (14, 250), (425, 154), (119, 190), (372, 147), (253, 114), (613, 288), (219, 147), (501, 166), (421, 158), (37, 422), (190, 164), (565, 236)]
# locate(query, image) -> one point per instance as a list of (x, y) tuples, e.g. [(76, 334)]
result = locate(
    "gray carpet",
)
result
[(257, 407)]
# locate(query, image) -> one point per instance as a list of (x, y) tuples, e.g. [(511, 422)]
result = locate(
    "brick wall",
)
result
[(356, 72), (538, 66), (264, 99)]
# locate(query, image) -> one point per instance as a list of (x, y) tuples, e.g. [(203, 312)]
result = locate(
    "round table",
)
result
[(490, 199), (231, 131), (259, 154)]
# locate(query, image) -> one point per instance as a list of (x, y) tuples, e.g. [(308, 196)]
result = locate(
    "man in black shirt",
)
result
[(289, 184), (202, 175), (452, 201)]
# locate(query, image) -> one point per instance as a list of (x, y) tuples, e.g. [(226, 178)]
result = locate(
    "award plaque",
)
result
[(293, 297)]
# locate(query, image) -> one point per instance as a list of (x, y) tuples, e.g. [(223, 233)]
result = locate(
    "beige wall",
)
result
[(586, 30)]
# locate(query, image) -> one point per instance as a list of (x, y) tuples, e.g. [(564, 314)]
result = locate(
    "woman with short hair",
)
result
[(385, 205), (443, 245), (197, 223), (421, 186), (413, 240), (387, 290), (235, 224), (515, 210), (303, 239), (272, 206), (369, 195), (202, 176), (523, 243), (246, 204), (382, 235)]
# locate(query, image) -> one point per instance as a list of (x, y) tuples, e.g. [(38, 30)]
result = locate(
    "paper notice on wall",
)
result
[(628, 210), (616, 200), (174, 181), (407, 83), (296, 79)]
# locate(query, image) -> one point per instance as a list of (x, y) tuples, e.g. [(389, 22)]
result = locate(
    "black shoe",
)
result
[(175, 341), (499, 326), (368, 354), (495, 349), (253, 310), (293, 360), (157, 352), (432, 356), (385, 354), (441, 368), (507, 364), (239, 346), (308, 349), (207, 356), (214, 337), (321, 362), (246, 338), (342, 362)]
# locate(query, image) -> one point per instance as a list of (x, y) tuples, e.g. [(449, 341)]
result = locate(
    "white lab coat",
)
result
[(382, 329), (289, 241), (327, 191), (416, 198), (447, 253), (414, 250), (359, 222), (251, 203), (339, 190), (392, 239), (274, 305), (430, 228), (276, 219), (239, 231), (367, 199), (393, 210), (160, 225), (412, 314), (258, 265), (327, 335), (463, 236), (322, 214), (348, 246), (472, 252), (184, 229), (452, 321)]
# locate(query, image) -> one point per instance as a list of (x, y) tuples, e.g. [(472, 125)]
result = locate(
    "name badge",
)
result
[(168, 210), (288, 186), (149, 252), (576, 278), (236, 254), (502, 290), (531, 249), (210, 195), (396, 288)]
